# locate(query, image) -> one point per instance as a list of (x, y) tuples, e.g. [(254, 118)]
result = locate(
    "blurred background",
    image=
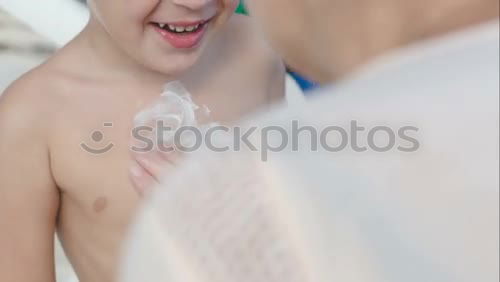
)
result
[(20, 48)]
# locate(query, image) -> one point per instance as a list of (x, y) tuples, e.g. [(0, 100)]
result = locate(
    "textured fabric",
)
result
[(244, 236), (430, 215)]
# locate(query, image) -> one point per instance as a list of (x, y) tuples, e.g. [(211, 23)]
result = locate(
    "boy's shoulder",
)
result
[(43, 84), (32, 97)]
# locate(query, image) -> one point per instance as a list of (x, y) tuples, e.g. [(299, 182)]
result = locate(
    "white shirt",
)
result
[(427, 215)]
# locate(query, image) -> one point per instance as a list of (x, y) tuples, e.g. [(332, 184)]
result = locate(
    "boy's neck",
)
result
[(113, 60)]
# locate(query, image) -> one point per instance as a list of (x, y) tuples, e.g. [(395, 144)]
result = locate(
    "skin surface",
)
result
[(115, 67), (330, 39)]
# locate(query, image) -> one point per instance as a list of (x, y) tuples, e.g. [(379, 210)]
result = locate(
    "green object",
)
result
[(241, 8)]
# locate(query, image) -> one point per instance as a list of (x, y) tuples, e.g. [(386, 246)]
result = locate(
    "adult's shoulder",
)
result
[(249, 51), (243, 34)]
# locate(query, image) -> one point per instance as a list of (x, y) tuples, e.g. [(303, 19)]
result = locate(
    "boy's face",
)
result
[(167, 36)]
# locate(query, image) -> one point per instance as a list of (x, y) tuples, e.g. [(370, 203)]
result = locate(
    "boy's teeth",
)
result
[(179, 29)]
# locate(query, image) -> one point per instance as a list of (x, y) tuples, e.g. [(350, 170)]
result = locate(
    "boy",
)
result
[(65, 126)]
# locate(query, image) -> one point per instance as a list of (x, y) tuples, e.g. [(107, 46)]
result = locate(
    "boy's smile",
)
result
[(166, 37), (182, 35)]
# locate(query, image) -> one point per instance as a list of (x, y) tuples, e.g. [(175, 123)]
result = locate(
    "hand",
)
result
[(148, 169)]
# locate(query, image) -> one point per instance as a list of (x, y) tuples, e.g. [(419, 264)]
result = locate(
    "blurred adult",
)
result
[(384, 207)]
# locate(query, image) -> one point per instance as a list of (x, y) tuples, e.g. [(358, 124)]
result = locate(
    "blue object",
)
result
[(305, 84)]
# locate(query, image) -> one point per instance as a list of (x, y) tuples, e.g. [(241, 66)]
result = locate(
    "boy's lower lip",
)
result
[(183, 41)]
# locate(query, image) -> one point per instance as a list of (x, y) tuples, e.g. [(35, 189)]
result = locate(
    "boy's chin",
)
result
[(175, 66)]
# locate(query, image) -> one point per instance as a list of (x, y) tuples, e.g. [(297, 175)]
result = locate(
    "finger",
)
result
[(169, 154), (173, 157), (141, 180), (154, 165)]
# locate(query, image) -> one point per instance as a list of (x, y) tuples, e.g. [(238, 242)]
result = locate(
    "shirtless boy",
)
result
[(108, 73)]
